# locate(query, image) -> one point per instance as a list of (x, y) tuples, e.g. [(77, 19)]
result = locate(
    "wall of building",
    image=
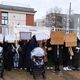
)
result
[(16, 19), (76, 20)]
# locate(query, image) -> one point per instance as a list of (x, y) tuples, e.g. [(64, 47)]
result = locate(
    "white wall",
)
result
[(15, 19)]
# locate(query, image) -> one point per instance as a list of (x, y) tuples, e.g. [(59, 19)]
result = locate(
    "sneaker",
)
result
[(65, 68), (51, 67), (68, 69), (25, 68), (20, 68), (48, 67)]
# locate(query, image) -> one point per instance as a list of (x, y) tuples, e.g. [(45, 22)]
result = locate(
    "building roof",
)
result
[(17, 8)]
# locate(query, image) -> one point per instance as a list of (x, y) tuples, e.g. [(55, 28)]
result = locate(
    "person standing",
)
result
[(30, 46), (76, 57), (49, 49), (20, 51), (15, 56), (1, 61), (8, 56), (66, 58), (57, 53), (5, 52)]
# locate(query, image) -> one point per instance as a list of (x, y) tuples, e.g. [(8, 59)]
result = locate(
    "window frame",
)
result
[(5, 18)]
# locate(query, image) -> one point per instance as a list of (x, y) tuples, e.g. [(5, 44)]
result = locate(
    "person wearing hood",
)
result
[(31, 45)]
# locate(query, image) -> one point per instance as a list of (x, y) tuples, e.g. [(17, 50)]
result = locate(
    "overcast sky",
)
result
[(43, 6)]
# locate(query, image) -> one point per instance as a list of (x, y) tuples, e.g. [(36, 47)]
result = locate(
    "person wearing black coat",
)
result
[(8, 56), (1, 61), (30, 46), (66, 58), (76, 56), (49, 50), (57, 54), (22, 54)]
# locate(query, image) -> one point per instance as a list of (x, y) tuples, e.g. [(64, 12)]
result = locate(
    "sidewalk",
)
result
[(50, 75)]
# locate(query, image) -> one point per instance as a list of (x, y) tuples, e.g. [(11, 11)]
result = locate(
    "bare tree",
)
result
[(54, 18), (57, 10)]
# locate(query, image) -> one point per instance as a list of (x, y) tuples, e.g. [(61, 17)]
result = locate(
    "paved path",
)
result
[(50, 75)]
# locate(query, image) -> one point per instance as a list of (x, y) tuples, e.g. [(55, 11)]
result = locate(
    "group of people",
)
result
[(19, 56), (60, 55)]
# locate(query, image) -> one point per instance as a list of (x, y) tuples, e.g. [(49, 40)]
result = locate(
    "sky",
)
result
[(44, 6)]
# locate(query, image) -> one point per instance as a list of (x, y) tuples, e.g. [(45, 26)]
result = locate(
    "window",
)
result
[(4, 18)]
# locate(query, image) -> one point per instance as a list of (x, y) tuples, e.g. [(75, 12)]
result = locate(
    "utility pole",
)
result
[(69, 19), (70, 15)]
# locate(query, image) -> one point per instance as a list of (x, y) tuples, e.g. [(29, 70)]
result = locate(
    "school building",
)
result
[(15, 15)]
